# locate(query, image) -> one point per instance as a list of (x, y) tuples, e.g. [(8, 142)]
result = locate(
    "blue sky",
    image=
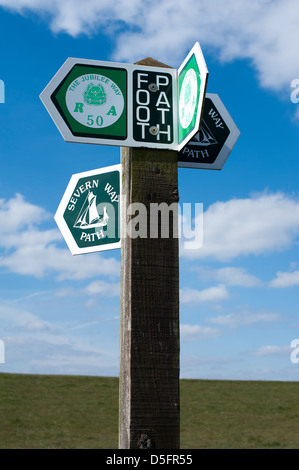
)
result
[(59, 314)]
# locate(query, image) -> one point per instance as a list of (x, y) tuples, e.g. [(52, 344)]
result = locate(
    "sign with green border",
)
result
[(192, 83), (89, 213), (92, 101)]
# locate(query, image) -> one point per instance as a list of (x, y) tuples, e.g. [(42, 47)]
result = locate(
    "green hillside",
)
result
[(62, 412)]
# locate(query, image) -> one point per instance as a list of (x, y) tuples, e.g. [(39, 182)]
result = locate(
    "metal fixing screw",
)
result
[(153, 87), (154, 130)]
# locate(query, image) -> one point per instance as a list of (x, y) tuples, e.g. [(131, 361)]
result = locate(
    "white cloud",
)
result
[(263, 31), (272, 351), (197, 332), (212, 294), (15, 214), (58, 354), (75, 17), (29, 250), (20, 321), (229, 276), (46, 258), (285, 279), (235, 320), (95, 288), (33, 345), (260, 224), (104, 288), (76, 363), (256, 225)]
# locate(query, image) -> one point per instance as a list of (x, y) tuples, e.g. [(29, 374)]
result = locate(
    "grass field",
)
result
[(64, 412)]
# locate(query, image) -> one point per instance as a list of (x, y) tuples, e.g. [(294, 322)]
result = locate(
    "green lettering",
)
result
[(112, 111), (79, 108)]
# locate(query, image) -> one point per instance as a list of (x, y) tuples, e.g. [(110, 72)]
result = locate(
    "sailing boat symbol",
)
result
[(204, 137), (89, 216)]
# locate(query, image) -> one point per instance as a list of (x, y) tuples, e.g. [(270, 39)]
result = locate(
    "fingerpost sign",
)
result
[(89, 213), (192, 83), (143, 108), (211, 146)]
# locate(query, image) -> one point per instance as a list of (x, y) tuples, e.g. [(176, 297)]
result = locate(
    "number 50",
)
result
[(90, 120)]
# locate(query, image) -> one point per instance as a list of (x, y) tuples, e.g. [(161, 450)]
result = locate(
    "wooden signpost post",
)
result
[(149, 336)]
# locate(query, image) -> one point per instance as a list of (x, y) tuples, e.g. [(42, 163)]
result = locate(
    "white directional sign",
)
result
[(128, 105), (192, 83), (216, 138), (109, 103), (89, 213)]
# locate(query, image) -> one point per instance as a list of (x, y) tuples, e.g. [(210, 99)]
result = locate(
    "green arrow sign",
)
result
[(192, 83), (92, 101)]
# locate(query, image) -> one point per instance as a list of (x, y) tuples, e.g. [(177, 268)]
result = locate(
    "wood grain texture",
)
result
[(149, 340), (152, 63)]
